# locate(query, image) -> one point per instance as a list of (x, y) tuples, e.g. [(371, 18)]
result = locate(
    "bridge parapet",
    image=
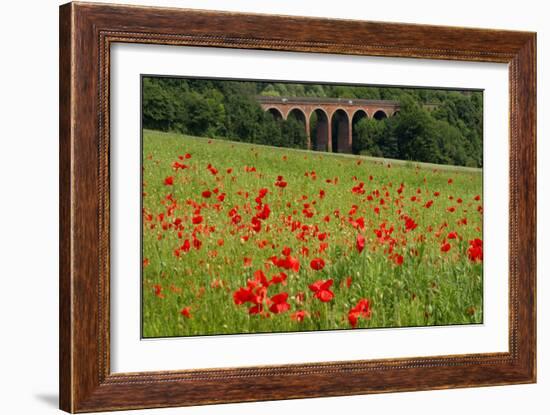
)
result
[(324, 100)]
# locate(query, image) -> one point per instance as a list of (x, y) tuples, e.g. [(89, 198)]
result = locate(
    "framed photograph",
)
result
[(260, 207)]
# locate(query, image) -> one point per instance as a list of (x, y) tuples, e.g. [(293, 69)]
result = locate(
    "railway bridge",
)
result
[(329, 122)]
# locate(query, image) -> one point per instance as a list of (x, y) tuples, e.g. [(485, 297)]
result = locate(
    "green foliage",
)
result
[(367, 134), (435, 126), (162, 106), (294, 133)]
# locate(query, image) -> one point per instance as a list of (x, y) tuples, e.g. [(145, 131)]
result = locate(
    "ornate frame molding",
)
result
[(86, 34)]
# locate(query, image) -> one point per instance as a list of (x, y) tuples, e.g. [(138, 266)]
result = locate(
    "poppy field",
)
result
[(244, 238)]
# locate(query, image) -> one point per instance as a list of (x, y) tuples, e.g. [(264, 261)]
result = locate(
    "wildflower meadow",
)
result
[(244, 238)]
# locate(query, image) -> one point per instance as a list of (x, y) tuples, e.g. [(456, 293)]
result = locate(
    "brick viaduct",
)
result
[(336, 117)]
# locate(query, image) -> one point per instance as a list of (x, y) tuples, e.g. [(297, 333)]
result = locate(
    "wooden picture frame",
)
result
[(86, 33)]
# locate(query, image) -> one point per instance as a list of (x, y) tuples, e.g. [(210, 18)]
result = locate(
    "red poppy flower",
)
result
[(186, 312), (197, 219), (242, 295), (257, 309), (361, 310), (256, 224), (259, 278), (398, 259), (410, 224), (360, 242), (299, 315), (254, 294), (359, 223), (169, 181), (322, 290), (264, 213), (206, 194), (260, 293), (212, 169), (176, 165), (445, 247), (317, 264), (323, 246), (186, 246), (359, 189), (452, 235), (279, 278), (279, 304), (292, 263), (288, 262), (197, 243), (158, 290), (475, 251)]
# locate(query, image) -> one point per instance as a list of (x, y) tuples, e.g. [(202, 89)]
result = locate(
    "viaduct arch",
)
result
[(329, 122)]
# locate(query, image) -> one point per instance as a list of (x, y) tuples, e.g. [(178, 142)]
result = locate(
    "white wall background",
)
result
[(29, 207)]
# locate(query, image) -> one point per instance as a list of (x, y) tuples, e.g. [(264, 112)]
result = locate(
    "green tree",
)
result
[(293, 133), (367, 134)]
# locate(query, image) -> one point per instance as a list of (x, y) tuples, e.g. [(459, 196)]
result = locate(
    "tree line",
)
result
[(450, 133)]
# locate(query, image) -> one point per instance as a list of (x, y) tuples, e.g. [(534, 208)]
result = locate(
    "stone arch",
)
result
[(396, 112), (276, 113), (299, 114), (319, 127), (358, 115), (341, 131), (379, 114)]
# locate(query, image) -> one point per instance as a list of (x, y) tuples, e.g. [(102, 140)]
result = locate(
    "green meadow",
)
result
[(243, 238)]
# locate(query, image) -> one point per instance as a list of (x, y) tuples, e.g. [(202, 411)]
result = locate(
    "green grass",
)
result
[(430, 287)]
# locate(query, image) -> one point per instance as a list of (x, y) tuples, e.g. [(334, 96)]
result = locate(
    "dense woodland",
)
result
[(452, 133)]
